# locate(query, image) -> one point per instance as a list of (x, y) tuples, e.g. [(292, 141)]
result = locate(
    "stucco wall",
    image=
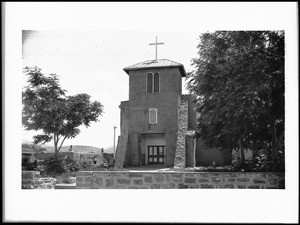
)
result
[(177, 180), (166, 102)]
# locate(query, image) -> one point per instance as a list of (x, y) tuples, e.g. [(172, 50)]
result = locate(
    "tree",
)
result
[(239, 84), (46, 107)]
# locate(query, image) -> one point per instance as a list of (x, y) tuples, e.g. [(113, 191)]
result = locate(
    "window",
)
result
[(152, 116), (153, 82), (156, 82), (149, 82)]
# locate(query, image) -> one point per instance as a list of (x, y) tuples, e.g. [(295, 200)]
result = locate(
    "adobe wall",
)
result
[(166, 102), (177, 180)]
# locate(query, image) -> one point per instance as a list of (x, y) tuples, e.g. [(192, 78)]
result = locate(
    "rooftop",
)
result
[(159, 63)]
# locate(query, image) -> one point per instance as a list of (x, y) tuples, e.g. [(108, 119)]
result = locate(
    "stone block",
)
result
[(97, 183), (83, 185), (231, 179), (183, 186), (254, 187), (133, 187), (243, 179), (241, 186), (148, 179), (135, 175), (203, 180), (226, 186), (168, 185), (155, 186), (124, 181), (159, 177), (259, 181), (177, 177), (168, 177), (190, 180), (109, 183), (79, 179), (216, 179), (205, 175), (273, 181), (281, 184), (194, 186), (87, 179), (120, 187), (138, 181), (207, 186)]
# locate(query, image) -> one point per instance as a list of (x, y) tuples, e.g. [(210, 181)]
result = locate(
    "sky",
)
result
[(92, 62)]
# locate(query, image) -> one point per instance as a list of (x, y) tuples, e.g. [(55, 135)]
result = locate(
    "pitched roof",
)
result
[(159, 63)]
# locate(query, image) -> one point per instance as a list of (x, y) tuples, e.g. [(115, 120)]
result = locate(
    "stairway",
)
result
[(181, 135), (121, 151)]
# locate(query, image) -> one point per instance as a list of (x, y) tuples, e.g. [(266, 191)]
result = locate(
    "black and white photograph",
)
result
[(150, 112)]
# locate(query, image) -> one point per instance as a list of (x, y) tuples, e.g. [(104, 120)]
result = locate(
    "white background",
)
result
[(156, 19)]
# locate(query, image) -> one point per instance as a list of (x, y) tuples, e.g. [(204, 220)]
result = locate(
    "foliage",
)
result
[(239, 89), (46, 107), (57, 164), (27, 165)]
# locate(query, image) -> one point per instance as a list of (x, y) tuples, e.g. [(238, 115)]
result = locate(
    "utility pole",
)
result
[(114, 141)]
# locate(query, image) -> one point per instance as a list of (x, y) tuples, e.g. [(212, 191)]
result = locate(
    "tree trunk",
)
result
[(274, 140), (55, 144), (242, 153), (254, 153)]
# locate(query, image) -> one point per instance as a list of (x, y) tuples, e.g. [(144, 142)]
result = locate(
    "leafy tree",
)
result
[(239, 84), (46, 107)]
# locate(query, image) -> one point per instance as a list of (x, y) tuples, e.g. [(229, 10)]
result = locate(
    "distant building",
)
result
[(28, 155)]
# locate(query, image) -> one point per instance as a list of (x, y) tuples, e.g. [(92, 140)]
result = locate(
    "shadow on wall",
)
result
[(205, 156)]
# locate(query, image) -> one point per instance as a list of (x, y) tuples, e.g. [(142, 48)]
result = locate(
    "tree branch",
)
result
[(62, 142)]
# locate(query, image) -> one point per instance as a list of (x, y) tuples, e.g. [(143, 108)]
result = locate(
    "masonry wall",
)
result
[(177, 180)]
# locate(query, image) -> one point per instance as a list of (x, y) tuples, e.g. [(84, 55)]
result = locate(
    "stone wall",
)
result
[(177, 180), (33, 180), (181, 135)]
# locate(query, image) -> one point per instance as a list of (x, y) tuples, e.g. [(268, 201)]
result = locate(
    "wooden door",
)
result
[(156, 154)]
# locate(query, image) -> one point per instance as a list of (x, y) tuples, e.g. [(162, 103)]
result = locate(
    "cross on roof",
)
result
[(156, 43)]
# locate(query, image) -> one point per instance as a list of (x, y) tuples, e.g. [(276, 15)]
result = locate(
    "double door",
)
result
[(156, 154)]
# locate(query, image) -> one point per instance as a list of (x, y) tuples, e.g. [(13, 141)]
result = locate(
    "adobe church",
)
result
[(158, 121)]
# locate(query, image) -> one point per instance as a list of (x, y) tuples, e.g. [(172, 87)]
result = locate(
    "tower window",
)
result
[(156, 82), (153, 82), (149, 82), (152, 116)]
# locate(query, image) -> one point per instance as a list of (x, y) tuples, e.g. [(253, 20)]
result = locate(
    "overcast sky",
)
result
[(92, 62)]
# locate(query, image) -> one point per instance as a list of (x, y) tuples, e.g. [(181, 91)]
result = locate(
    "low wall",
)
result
[(177, 180), (33, 180)]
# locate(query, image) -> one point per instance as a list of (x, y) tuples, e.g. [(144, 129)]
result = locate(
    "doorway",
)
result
[(156, 154)]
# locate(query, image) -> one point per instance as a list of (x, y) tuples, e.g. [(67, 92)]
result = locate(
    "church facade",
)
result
[(158, 121)]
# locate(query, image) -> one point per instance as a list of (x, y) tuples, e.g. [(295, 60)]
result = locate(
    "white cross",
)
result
[(160, 43)]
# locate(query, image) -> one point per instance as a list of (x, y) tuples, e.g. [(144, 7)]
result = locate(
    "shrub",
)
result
[(57, 164), (27, 165)]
